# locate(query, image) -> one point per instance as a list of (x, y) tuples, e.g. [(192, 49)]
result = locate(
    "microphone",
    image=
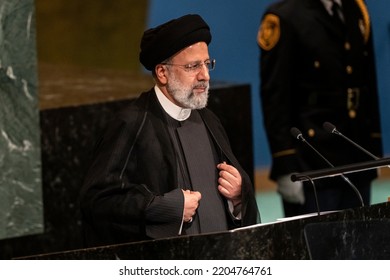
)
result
[(296, 133), (332, 129)]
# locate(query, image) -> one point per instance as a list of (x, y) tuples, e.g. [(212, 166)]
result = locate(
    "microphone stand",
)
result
[(339, 170), (315, 195), (298, 134)]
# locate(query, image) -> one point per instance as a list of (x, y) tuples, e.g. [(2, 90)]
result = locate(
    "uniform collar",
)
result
[(176, 112)]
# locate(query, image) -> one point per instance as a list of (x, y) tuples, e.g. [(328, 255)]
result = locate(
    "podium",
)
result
[(349, 240), (281, 240)]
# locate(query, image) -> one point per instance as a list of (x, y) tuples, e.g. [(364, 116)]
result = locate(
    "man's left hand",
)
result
[(229, 183)]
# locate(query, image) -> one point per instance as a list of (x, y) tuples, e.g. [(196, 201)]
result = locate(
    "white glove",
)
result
[(289, 190)]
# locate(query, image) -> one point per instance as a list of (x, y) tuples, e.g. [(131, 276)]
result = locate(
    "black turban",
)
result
[(165, 40)]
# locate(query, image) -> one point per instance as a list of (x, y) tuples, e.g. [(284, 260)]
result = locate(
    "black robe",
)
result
[(135, 164)]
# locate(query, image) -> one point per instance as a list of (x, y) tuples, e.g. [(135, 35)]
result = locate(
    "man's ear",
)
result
[(161, 74)]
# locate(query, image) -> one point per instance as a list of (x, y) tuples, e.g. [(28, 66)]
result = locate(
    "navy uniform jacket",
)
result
[(313, 71), (134, 164)]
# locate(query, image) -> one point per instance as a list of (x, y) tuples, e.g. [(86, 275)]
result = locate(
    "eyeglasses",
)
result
[(195, 67)]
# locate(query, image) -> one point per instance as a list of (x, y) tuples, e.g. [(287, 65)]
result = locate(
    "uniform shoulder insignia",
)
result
[(269, 32), (364, 24)]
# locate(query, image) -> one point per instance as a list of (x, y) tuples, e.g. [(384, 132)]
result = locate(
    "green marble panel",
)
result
[(21, 209)]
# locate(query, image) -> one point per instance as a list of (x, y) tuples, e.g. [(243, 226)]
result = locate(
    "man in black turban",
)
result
[(162, 42), (164, 166)]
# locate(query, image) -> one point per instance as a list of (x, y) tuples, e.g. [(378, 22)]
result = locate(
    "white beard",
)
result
[(185, 96)]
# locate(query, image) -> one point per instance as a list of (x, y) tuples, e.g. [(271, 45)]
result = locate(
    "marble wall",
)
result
[(21, 210)]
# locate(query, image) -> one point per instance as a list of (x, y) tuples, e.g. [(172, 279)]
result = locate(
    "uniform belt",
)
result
[(353, 98), (349, 99)]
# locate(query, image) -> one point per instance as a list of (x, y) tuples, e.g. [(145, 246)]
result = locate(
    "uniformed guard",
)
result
[(317, 65)]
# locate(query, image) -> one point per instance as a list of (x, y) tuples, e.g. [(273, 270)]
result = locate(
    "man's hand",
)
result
[(191, 203), (230, 182)]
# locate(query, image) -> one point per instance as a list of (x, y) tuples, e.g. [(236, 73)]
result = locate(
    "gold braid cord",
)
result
[(366, 19)]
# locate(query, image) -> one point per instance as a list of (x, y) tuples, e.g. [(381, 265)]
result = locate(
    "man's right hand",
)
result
[(191, 203)]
